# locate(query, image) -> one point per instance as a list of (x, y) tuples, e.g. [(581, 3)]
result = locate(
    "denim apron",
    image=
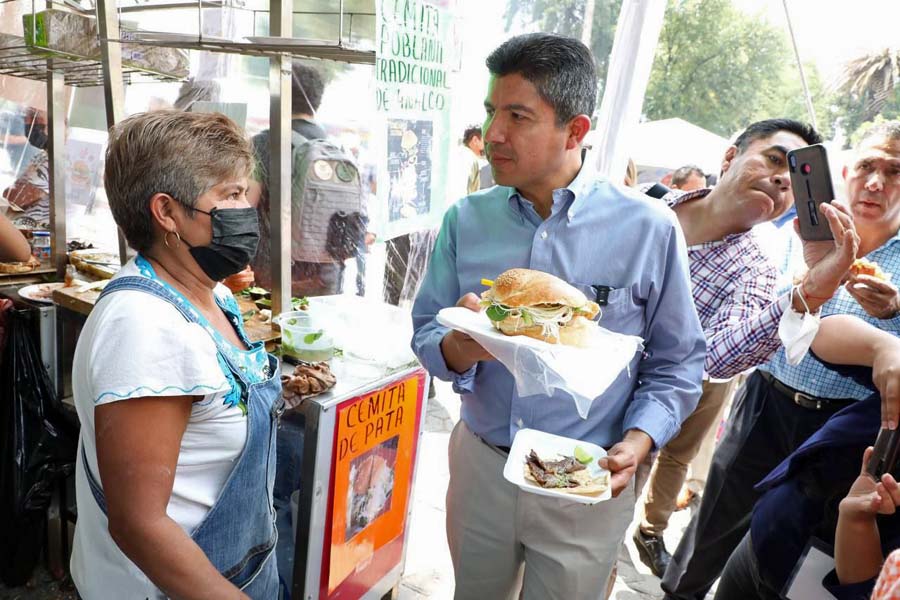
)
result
[(238, 534)]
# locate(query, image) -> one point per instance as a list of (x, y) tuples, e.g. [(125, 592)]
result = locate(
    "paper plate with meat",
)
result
[(551, 465)]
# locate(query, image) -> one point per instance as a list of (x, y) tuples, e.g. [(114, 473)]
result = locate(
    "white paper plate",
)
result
[(40, 292), (548, 446), (478, 323)]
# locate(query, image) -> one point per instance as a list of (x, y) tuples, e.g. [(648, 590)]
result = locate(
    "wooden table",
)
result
[(83, 303)]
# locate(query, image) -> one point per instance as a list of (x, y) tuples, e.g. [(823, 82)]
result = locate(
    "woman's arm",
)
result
[(13, 245), (138, 441)]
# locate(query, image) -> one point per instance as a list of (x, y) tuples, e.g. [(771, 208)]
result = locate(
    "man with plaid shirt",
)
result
[(781, 405), (734, 290)]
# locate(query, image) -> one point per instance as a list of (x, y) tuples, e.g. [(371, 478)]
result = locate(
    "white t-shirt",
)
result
[(136, 345)]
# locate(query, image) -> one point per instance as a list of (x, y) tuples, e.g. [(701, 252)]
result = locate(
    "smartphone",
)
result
[(885, 455), (811, 183)]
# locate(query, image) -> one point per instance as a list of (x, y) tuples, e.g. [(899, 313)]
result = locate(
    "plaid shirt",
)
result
[(734, 288)]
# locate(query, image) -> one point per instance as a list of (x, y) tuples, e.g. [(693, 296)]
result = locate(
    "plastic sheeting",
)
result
[(38, 450)]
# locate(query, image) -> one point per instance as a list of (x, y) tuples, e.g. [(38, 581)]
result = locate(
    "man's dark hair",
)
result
[(769, 127), (470, 132), (562, 69), (307, 87), (682, 174)]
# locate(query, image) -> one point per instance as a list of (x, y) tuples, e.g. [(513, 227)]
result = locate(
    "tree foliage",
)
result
[(715, 66)]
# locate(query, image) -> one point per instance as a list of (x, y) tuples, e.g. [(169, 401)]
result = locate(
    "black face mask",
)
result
[(37, 136), (235, 235)]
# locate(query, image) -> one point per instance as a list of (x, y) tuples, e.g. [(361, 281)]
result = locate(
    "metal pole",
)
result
[(56, 154), (279, 184), (341, 26), (809, 104), (113, 84), (587, 29)]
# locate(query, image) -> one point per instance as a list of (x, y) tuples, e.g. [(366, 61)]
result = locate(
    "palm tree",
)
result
[(873, 78)]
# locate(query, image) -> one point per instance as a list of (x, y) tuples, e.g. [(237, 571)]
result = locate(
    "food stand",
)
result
[(329, 563)]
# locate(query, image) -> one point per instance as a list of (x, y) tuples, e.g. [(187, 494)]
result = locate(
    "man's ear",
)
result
[(578, 128), (163, 210), (728, 158)]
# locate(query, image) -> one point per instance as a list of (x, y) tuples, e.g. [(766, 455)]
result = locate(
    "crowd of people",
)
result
[(701, 290), (183, 475)]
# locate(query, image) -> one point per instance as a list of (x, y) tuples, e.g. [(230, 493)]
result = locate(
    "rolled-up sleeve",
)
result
[(439, 289), (671, 372)]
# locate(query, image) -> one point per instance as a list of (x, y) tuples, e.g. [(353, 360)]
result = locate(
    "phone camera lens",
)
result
[(793, 160), (805, 168)]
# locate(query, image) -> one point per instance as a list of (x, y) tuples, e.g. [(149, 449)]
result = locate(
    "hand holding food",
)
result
[(872, 289), (541, 306)]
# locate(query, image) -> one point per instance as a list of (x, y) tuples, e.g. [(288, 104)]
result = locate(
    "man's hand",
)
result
[(828, 261), (460, 350), (624, 458), (879, 298)]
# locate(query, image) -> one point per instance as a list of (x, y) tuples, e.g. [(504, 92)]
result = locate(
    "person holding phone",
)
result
[(789, 398), (819, 497), (735, 294)]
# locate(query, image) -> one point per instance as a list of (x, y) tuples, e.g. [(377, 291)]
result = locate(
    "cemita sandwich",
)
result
[(541, 306)]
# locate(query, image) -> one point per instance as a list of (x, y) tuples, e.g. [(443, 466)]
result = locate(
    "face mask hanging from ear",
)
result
[(235, 236), (797, 331)]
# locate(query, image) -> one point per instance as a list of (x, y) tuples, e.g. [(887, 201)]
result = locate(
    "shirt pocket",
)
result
[(622, 312)]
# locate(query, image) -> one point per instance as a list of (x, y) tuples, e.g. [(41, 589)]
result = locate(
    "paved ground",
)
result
[(429, 573)]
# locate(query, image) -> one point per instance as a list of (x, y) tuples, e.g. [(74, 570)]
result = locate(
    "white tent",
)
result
[(672, 143)]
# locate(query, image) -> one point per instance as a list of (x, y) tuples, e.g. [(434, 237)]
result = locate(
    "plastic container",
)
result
[(40, 245), (304, 338)]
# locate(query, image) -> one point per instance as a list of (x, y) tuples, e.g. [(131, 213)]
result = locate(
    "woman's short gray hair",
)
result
[(171, 152)]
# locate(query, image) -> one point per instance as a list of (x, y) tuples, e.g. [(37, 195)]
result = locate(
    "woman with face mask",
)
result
[(177, 407)]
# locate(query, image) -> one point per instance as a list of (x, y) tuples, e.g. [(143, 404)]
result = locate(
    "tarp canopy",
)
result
[(672, 143)]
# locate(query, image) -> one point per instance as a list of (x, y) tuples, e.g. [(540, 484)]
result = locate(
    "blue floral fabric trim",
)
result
[(253, 363), (131, 393)]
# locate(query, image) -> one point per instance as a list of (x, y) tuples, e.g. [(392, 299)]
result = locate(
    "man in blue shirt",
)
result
[(552, 212)]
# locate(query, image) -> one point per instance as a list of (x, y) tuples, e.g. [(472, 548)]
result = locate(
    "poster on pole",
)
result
[(417, 56), (372, 474)]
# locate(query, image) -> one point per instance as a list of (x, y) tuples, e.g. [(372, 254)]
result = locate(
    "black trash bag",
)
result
[(38, 444)]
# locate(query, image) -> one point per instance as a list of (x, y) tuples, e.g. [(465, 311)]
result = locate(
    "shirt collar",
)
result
[(573, 194)]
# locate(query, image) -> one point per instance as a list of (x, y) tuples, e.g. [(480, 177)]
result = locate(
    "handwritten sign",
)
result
[(374, 454), (417, 52)]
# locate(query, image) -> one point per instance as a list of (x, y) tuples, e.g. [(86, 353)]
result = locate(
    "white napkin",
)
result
[(540, 368)]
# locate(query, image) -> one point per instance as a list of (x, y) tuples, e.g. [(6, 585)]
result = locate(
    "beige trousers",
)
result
[(671, 466), (507, 544)]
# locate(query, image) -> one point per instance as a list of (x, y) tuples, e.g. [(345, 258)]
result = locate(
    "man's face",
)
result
[(693, 182), (873, 182), (522, 142), (757, 179)]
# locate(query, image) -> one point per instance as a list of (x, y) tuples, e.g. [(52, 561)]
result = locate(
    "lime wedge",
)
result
[(583, 456)]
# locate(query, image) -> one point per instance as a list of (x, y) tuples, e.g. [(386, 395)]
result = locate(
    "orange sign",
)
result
[(374, 454)]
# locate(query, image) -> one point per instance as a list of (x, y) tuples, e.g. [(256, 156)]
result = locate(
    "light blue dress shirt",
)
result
[(597, 234)]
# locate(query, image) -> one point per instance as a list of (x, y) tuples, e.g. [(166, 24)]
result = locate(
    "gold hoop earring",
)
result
[(177, 237)]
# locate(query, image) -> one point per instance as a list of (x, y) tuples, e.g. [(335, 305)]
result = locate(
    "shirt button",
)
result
[(520, 423), (543, 235)]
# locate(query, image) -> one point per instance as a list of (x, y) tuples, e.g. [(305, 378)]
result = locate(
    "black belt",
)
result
[(805, 400)]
